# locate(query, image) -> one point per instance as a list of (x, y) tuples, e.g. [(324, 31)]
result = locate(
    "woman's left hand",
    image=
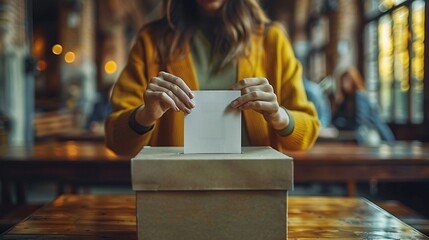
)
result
[(258, 94)]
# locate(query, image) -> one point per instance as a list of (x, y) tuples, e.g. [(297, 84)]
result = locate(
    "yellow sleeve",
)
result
[(127, 95), (291, 95)]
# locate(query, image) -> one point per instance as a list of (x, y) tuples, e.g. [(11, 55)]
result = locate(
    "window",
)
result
[(394, 35)]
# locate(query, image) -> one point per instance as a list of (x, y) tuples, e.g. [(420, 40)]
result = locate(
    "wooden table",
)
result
[(65, 163), (80, 163), (114, 217), (337, 162)]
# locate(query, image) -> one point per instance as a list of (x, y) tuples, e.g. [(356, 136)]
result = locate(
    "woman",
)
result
[(210, 44), (357, 113)]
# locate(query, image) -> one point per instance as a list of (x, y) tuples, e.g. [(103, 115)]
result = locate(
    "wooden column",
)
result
[(301, 42), (116, 20), (78, 69), (112, 39), (345, 32)]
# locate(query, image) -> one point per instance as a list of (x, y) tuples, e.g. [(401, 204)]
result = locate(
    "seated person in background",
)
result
[(210, 45), (357, 113)]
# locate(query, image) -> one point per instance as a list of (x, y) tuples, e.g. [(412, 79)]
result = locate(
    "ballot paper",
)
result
[(213, 126)]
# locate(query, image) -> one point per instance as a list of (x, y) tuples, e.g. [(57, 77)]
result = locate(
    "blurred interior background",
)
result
[(63, 56), (59, 59)]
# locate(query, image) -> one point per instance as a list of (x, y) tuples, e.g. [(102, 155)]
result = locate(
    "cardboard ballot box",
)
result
[(211, 196)]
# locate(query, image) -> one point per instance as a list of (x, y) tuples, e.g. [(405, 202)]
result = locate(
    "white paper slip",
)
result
[(213, 126)]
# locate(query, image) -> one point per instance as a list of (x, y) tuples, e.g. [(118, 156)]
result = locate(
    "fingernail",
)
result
[(176, 109), (192, 103), (234, 104), (187, 110), (191, 95)]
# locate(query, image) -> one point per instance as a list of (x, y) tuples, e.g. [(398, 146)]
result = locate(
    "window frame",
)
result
[(407, 130)]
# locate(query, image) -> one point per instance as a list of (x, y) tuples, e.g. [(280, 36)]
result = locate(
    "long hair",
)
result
[(357, 79), (239, 19)]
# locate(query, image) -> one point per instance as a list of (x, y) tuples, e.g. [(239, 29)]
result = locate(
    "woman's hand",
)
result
[(164, 92), (258, 94)]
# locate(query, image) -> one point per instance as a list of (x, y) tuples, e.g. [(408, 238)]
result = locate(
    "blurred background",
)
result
[(60, 58)]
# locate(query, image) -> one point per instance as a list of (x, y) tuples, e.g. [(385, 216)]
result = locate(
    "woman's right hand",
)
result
[(165, 91)]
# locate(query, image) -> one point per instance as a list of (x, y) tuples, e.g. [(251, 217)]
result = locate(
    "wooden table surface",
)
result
[(114, 217), (78, 163), (351, 163)]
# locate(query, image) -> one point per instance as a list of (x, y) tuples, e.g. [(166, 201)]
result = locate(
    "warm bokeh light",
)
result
[(110, 67), (39, 45), (57, 49), (70, 57), (41, 65)]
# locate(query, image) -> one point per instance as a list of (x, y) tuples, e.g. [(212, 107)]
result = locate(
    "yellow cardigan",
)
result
[(271, 56)]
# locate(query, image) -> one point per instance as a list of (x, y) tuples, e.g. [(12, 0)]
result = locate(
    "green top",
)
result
[(206, 62)]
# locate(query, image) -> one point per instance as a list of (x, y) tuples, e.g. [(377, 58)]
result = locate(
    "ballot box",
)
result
[(211, 196)]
